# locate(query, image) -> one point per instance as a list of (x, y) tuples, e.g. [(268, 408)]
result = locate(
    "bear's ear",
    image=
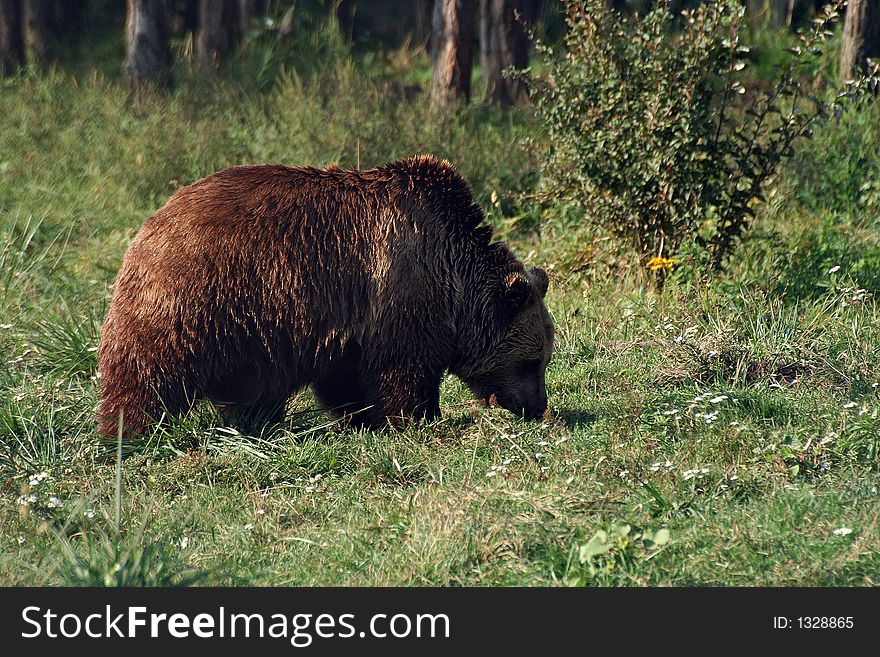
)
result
[(539, 278), (517, 289)]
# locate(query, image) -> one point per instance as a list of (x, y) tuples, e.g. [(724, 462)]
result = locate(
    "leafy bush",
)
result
[(654, 134)]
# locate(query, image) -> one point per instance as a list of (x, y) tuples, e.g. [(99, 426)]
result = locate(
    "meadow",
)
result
[(722, 431)]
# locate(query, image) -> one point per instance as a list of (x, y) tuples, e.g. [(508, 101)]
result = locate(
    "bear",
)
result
[(368, 285)]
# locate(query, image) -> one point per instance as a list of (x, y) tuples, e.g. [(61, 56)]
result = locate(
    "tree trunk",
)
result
[(37, 21), (10, 37), (345, 17), (219, 25), (248, 11), (452, 37), (424, 11), (861, 37), (149, 57), (503, 44)]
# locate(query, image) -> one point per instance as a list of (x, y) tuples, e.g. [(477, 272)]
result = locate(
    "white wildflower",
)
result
[(834, 269), (842, 531), (710, 417), (695, 473), (38, 478)]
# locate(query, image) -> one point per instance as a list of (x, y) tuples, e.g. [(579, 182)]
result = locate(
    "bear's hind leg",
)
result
[(140, 379), (140, 406), (134, 418)]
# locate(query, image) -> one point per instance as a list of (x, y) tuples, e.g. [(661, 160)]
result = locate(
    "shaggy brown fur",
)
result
[(368, 285)]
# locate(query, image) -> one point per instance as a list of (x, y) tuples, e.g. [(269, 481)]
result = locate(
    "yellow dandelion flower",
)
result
[(657, 263)]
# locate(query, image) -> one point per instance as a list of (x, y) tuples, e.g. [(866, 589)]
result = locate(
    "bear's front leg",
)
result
[(399, 394), (253, 418)]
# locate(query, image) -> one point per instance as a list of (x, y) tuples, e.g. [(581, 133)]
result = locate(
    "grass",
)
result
[(738, 414)]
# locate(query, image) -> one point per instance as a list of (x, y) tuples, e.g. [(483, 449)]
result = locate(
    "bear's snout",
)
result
[(535, 411), (529, 407)]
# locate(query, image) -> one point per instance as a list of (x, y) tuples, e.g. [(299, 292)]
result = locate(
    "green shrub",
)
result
[(654, 134), (110, 558), (840, 168)]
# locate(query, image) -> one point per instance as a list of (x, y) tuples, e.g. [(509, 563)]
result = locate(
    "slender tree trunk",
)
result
[(861, 37), (422, 25), (219, 28), (37, 21), (248, 11), (211, 42), (452, 37), (149, 57), (503, 44), (345, 17), (11, 53)]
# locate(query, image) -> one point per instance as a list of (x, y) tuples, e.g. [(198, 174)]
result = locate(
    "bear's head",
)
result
[(513, 370)]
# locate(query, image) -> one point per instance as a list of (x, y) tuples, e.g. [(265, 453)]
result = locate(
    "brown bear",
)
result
[(367, 284)]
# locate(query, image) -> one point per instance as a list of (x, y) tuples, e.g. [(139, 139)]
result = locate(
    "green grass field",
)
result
[(724, 431)]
